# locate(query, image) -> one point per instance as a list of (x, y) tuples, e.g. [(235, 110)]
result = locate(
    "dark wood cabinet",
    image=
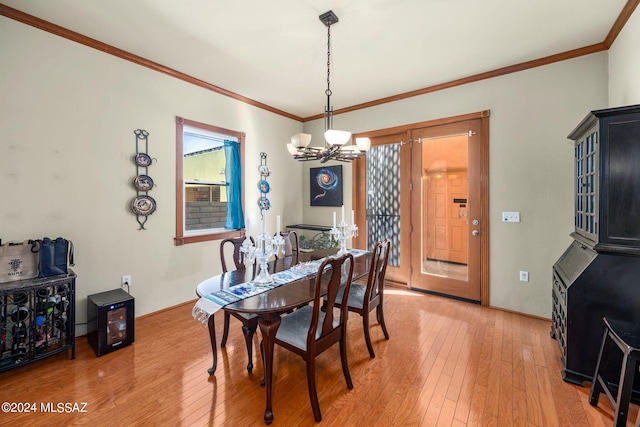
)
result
[(599, 274), (37, 319)]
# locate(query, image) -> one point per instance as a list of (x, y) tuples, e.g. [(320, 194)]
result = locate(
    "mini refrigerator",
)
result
[(110, 321)]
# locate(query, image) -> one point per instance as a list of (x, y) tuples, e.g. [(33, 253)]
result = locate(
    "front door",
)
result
[(446, 209)]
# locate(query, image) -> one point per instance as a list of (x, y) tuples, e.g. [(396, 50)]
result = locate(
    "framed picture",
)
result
[(325, 186)]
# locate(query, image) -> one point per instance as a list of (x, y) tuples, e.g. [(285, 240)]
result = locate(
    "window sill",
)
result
[(183, 240)]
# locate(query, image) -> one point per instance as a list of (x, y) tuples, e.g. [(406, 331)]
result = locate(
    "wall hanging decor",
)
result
[(325, 186), (142, 205)]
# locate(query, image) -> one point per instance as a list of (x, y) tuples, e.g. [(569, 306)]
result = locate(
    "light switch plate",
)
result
[(510, 216)]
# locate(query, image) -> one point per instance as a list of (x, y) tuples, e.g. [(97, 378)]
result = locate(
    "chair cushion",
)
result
[(356, 295), (295, 326)]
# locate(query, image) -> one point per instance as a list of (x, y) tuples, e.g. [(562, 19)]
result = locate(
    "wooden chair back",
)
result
[(238, 257), (291, 244), (330, 332), (374, 292)]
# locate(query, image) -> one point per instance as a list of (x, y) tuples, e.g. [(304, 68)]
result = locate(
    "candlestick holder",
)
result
[(265, 247), (341, 233)]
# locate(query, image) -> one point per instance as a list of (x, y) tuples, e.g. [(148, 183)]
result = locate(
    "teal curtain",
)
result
[(233, 176)]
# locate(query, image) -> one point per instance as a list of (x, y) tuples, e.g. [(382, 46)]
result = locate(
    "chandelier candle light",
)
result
[(335, 140), (343, 231)]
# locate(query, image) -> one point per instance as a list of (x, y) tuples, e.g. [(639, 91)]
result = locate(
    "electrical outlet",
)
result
[(524, 276), (126, 280)]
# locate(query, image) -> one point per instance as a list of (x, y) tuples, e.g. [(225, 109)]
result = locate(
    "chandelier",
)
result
[(334, 147)]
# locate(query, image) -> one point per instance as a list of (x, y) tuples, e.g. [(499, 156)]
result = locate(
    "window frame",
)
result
[(181, 238)]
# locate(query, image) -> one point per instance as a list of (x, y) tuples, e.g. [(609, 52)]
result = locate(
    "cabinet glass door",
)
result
[(586, 184)]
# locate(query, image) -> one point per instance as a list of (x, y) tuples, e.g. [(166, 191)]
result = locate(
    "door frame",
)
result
[(403, 276)]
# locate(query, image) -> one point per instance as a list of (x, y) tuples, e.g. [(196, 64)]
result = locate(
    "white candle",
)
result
[(353, 217), (246, 228), (277, 224), (334, 219), (342, 213)]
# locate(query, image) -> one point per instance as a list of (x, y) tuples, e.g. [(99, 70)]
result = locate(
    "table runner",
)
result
[(207, 305)]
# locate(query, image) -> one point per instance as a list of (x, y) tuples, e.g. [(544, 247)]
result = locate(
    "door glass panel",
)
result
[(383, 198), (444, 204)]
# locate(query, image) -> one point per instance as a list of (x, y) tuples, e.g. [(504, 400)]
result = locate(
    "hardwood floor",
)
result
[(447, 363)]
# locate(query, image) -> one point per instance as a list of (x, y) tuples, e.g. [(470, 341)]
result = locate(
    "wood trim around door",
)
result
[(484, 207)]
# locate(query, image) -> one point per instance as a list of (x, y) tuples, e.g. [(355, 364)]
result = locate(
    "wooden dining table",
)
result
[(269, 306)]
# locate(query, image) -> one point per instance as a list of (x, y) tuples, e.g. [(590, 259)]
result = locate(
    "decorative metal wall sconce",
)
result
[(142, 205)]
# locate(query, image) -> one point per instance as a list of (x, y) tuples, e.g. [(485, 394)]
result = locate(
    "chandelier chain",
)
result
[(328, 91)]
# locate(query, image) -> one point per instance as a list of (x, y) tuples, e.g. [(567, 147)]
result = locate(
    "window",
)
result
[(209, 179)]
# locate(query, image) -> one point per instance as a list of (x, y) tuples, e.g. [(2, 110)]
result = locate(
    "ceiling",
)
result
[(275, 52)]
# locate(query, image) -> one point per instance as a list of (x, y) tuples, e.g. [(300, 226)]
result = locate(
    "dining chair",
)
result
[(363, 299), (291, 244), (309, 331), (249, 321), (237, 256), (290, 249)]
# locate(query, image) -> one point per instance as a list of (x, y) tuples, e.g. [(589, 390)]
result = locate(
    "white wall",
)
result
[(624, 64), (67, 117), (531, 164)]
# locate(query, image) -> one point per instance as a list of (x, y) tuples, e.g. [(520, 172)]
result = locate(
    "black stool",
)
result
[(626, 336)]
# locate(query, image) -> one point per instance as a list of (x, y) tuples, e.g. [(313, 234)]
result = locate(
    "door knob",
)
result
[(475, 232)]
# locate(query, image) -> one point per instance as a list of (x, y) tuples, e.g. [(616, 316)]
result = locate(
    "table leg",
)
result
[(212, 336), (269, 328)]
